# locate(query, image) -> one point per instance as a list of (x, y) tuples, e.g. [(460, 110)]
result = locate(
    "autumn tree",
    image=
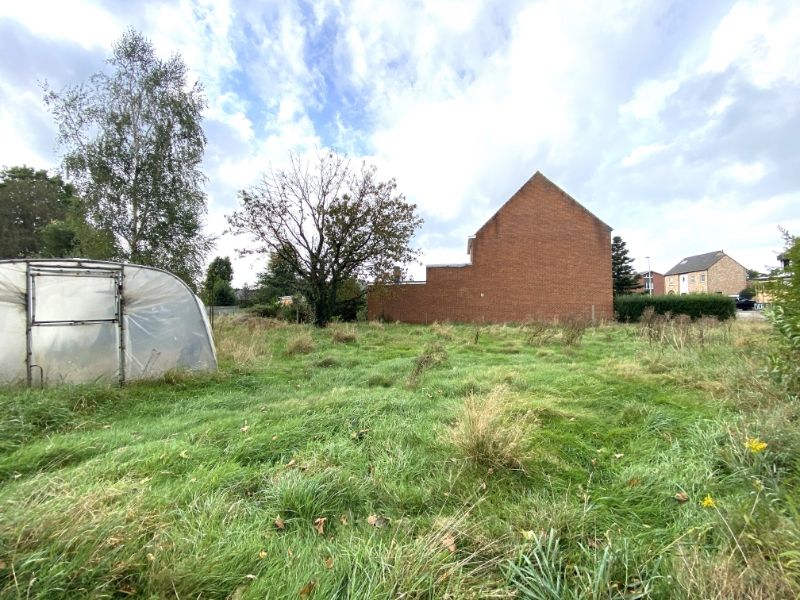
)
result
[(329, 221), (622, 272), (133, 143)]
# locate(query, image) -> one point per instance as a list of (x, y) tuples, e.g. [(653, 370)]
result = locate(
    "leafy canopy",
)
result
[(133, 142), (329, 221), (217, 287)]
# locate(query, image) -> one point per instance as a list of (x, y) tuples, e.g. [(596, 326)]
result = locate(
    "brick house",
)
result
[(542, 256), (710, 273), (650, 280)]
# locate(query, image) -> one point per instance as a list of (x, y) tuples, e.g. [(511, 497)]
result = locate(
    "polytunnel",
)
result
[(76, 321)]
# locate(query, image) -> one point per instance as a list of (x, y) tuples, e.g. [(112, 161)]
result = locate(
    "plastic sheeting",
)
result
[(76, 333)]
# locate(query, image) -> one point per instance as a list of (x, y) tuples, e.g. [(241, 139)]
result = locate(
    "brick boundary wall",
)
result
[(542, 257)]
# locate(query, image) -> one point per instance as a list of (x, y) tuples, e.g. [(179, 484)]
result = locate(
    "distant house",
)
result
[(651, 283), (711, 273), (542, 256), (763, 283)]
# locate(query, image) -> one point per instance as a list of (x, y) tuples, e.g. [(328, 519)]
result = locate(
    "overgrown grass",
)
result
[(413, 462)]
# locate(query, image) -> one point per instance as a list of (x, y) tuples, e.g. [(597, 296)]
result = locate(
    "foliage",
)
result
[(278, 280), (785, 317), (217, 288), (29, 201), (630, 308), (625, 279), (134, 143), (747, 293), (329, 222)]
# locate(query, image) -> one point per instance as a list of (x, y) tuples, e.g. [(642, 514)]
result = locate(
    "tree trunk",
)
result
[(322, 307)]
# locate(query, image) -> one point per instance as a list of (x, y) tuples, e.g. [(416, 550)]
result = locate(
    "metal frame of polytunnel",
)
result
[(87, 320)]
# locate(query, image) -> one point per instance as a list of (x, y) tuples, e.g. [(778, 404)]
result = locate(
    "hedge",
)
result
[(630, 308)]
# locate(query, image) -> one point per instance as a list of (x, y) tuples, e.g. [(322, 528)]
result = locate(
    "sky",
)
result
[(677, 123)]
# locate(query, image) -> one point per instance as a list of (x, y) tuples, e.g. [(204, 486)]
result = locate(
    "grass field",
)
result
[(394, 461)]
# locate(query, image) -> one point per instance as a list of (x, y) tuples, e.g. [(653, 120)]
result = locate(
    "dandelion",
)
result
[(755, 445), (708, 502)]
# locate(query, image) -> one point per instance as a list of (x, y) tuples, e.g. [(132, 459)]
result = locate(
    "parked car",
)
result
[(745, 304)]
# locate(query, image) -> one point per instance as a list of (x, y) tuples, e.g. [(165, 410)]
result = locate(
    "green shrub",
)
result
[(266, 311), (630, 308), (785, 318)]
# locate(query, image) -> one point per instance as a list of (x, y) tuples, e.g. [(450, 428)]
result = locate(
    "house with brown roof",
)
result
[(542, 256), (709, 273)]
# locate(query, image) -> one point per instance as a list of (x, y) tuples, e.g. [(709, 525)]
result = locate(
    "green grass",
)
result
[(442, 466)]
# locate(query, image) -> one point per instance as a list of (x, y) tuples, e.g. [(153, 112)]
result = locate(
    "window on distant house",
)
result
[(691, 278), (702, 277)]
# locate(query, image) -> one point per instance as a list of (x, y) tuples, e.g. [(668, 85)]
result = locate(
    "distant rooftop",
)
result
[(699, 262)]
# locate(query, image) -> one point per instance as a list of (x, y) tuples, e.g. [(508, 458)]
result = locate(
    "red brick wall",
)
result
[(658, 284), (542, 256)]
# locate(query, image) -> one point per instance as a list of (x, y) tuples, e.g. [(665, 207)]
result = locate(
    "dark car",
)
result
[(745, 304)]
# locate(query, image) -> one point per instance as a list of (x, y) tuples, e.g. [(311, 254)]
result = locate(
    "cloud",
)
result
[(676, 122)]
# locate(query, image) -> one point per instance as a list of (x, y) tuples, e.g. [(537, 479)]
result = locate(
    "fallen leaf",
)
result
[(244, 428), (483, 485), (274, 437), (634, 481), (279, 524), (490, 471), (343, 519), (150, 556), (449, 542), (250, 576), (319, 524), (2, 564), (290, 464), (308, 589), (329, 563), (682, 497), (262, 554), (106, 426), (572, 418), (377, 521), (594, 462), (528, 535), (618, 455), (290, 552), (184, 454)]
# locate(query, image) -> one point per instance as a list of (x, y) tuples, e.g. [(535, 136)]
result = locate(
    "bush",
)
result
[(630, 308), (266, 311), (785, 318)]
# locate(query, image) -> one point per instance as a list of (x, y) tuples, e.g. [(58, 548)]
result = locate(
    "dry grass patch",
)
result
[(343, 334), (487, 433), (301, 343)]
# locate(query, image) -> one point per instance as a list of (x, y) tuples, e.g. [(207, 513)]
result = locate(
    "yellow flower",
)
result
[(755, 445), (708, 502)]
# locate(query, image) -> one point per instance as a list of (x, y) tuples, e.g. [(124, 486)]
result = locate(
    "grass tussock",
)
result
[(488, 434), (442, 330), (343, 334), (433, 355), (301, 343)]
